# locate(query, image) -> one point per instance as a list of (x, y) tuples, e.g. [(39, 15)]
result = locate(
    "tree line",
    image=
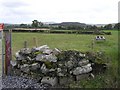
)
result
[(37, 24)]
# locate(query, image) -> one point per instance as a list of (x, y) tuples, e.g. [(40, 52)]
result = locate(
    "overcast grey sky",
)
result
[(84, 11)]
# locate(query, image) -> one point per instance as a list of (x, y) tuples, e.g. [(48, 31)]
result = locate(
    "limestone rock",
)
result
[(81, 70), (44, 69), (51, 58), (82, 76), (25, 51), (83, 62), (59, 72), (13, 63), (65, 80), (47, 51), (18, 56), (50, 80), (35, 66), (82, 55), (70, 64), (42, 48), (52, 70), (56, 51), (40, 57), (25, 68)]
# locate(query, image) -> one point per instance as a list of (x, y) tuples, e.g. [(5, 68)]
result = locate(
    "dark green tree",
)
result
[(35, 24), (40, 24), (117, 26), (23, 25), (101, 28), (94, 27), (108, 27)]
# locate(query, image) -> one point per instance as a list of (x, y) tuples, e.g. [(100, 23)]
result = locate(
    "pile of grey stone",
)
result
[(52, 66)]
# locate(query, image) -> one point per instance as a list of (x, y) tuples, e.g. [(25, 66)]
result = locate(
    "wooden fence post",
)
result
[(92, 44), (35, 41), (25, 44)]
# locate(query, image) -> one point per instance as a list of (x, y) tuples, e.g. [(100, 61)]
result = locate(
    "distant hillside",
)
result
[(71, 24)]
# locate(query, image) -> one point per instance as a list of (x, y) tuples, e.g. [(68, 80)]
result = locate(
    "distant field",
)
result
[(65, 41), (77, 42), (61, 41)]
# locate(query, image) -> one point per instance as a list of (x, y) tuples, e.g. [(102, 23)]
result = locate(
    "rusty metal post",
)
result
[(8, 52)]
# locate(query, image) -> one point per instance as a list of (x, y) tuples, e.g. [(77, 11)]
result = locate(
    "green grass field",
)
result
[(78, 42), (64, 41)]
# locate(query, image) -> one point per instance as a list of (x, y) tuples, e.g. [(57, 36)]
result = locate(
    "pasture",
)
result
[(80, 42)]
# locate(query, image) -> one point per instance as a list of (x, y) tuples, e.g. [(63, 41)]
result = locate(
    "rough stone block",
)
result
[(65, 80), (50, 80), (82, 76)]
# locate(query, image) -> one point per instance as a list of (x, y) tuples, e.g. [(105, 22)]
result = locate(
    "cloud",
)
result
[(13, 7), (14, 11), (119, 12), (13, 4), (87, 11)]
